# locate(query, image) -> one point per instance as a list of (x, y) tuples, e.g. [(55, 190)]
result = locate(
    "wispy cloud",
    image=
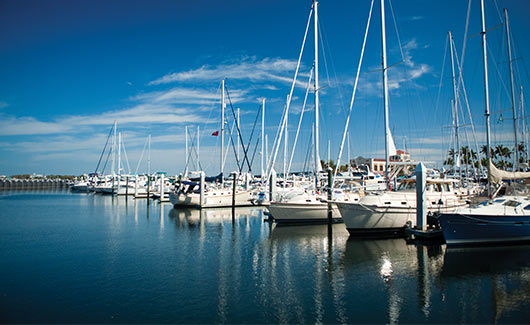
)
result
[(406, 73), (11, 125), (248, 68), (3, 104)]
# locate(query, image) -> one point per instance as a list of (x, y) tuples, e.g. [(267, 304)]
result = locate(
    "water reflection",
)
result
[(219, 265), (319, 248), (398, 266), (502, 273)]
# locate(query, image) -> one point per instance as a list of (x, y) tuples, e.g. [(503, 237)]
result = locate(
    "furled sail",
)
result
[(390, 143), (496, 176)]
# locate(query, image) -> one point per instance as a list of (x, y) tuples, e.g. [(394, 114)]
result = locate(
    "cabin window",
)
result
[(527, 207), (499, 200), (512, 203)]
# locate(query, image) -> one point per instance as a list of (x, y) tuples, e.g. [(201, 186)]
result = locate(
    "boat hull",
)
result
[(364, 220), (302, 213), (462, 229), (211, 199)]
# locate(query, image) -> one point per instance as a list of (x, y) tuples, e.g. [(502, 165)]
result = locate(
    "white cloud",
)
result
[(10, 125), (268, 69)]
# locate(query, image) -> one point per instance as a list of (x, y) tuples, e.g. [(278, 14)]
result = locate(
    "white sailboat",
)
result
[(188, 193), (388, 213), (303, 204)]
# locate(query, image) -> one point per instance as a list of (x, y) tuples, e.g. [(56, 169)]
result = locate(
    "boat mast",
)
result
[(385, 88), (262, 133), (455, 107), (187, 152), (114, 149), (512, 85), (486, 89), (317, 143), (285, 141), (222, 127), (521, 98), (198, 150), (119, 153), (149, 155)]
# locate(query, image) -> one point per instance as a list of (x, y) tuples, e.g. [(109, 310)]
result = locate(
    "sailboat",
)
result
[(503, 219), (188, 192), (388, 213), (303, 203)]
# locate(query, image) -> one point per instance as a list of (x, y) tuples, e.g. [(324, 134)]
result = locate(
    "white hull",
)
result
[(288, 212), (359, 217), (364, 218), (215, 198)]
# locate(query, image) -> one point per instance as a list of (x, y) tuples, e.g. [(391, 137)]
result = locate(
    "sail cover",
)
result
[(391, 147), (496, 176)]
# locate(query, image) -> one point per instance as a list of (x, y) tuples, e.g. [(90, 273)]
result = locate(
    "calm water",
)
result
[(97, 259)]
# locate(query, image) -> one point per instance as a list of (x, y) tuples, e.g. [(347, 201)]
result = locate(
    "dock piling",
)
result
[(330, 195), (421, 206)]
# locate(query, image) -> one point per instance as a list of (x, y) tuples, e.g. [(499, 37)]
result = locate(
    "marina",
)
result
[(188, 183), (103, 259)]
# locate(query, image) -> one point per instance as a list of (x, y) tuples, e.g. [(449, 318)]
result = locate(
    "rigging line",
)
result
[(104, 148), (353, 94), (255, 148), (253, 128), (321, 38), (440, 83), (397, 31), (126, 158), (228, 147), (239, 165), (461, 81), (300, 120), (498, 72), (498, 11), (464, 42), (275, 155), (106, 161), (307, 156), (208, 119), (141, 156), (239, 134), (277, 138)]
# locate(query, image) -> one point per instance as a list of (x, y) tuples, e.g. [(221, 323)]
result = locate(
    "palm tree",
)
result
[(483, 150)]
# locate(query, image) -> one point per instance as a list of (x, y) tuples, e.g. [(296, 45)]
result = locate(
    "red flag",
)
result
[(215, 134)]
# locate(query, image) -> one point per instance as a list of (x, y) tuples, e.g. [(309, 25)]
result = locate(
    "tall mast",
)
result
[(187, 151), (317, 143), (512, 87), (222, 126), (262, 133), (456, 152), (285, 142), (149, 155), (119, 153), (198, 150), (521, 98), (385, 87), (349, 157), (114, 149), (266, 147), (486, 89)]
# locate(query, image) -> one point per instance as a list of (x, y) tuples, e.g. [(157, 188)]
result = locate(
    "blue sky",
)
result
[(70, 68)]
